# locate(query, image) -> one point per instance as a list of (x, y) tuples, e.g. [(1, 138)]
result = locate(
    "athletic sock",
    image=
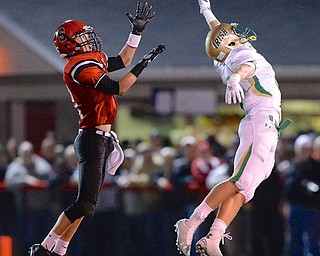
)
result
[(217, 232), (61, 247), (200, 214), (50, 240), (219, 225)]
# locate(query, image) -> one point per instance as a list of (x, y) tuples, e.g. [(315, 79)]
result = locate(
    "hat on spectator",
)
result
[(303, 141), (143, 147), (25, 146), (188, 140), (129, 153), (168, 152)]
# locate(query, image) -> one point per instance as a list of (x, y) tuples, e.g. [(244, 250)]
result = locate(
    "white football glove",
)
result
[(204, 5), (234, 91)]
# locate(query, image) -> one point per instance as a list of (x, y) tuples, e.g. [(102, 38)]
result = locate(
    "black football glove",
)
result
[(144, 14), (146, 59), (153, 54)]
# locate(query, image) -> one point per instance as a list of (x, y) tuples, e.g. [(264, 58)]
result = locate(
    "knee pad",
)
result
[(88, 209), (79, 209)]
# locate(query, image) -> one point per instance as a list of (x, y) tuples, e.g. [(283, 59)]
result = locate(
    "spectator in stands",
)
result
[(134, 210), (72, 164), (124, 178), (163, 177), (28, 168), (284, 155), (303, 196), (51, 151), (202, 165), (266, 220), (156, 140), (33, 171), (12, 149), (184, 191), (146, 166), (169, 202), (181, 174), (316, 148), (147, 163), (7, 209), (3, 162)]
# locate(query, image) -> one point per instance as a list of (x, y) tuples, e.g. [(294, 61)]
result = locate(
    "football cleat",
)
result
[(184, 236), (38, 250), (209, 245), (54, 254)]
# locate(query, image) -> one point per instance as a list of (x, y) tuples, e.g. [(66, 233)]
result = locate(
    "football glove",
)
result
[(204, 5), (234, 91), (144, 14), (153, 54), (146, 59)]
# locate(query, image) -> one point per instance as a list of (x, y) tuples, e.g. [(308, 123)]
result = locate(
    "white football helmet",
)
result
[(223, 38)]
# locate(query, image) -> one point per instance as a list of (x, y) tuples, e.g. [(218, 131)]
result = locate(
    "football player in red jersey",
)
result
[(92, 91)]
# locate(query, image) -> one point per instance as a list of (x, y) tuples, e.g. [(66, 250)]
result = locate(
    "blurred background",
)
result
[(178, 95)]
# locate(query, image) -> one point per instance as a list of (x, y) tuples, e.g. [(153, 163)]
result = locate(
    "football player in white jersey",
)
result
[(250, 81)]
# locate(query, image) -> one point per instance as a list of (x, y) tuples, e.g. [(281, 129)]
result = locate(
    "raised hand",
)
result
[(144, 14), (153, 54), (146, 59), (204, 5)]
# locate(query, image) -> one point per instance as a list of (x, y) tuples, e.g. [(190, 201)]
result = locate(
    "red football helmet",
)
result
[(74, 37)]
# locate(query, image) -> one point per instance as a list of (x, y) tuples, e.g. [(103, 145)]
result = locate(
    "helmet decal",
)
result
[(61, 35), (219, 38)]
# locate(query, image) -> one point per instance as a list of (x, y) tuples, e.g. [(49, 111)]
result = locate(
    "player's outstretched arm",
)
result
[(205, 10), (128, 80), (144, 13)]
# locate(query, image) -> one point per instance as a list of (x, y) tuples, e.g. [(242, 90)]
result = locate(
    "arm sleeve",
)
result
[(107, 85), (115, 63)]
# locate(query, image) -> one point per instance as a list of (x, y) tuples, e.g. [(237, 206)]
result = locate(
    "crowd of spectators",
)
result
[(157, 184)]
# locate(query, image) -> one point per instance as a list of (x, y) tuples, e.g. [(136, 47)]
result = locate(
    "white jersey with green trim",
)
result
[(261, 90)]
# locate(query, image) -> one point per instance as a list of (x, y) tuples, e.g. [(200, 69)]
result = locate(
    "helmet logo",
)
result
[(61, 35), (217, 41)]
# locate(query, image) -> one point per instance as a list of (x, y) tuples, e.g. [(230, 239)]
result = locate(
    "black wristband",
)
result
[(135, 32), (137, 69)]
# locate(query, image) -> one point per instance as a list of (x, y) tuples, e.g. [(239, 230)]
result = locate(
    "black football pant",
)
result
[(92, 151)]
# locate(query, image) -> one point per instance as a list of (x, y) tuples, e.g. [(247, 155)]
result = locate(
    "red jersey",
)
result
[(81, 74)]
